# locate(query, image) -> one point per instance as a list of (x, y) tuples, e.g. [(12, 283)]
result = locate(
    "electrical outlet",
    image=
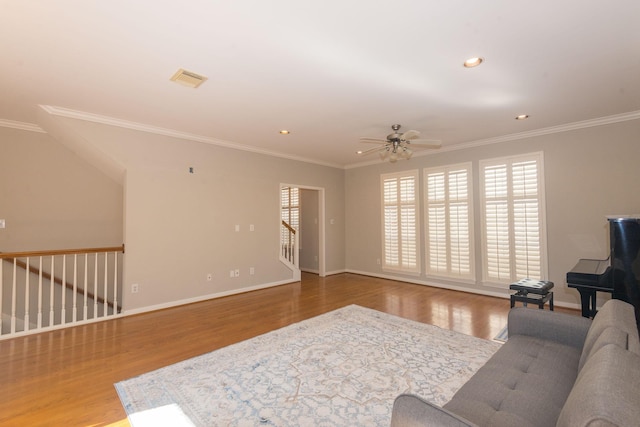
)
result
[(237, 273), (252, 271), (209, 277), (232, 273), (135, 288)]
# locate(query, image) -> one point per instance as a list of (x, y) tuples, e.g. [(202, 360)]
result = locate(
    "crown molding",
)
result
[(96, 118), (21, 125), (601, 121)]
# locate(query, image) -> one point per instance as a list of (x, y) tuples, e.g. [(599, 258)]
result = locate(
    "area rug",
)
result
[(342, 368), (503, 335)]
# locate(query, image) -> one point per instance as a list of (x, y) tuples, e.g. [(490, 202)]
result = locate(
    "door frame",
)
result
[(321, 221)]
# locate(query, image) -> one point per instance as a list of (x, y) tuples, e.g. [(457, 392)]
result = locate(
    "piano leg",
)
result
[(588, 302)]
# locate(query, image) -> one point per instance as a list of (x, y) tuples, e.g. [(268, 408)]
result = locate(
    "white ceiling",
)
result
[(329, 71)]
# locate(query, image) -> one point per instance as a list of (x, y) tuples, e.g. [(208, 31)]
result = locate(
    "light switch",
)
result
[(237, 227), (2, 224)]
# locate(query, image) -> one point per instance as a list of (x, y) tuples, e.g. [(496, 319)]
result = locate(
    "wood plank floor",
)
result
[(66, 377)]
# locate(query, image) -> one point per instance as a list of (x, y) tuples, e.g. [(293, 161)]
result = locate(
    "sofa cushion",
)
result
[(412, 411), (606, 392), (610, 335), (524, 384), (549, 325), (613, 314)]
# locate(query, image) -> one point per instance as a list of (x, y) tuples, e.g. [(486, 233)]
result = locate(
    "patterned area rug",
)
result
[(342, 368), (503, 335)]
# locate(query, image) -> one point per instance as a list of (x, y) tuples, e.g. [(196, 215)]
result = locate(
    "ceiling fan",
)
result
[(397, 144)]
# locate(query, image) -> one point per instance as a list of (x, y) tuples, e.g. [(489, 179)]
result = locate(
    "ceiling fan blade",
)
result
[(410, 134), (433, 143), (372, 150), (373, 140)]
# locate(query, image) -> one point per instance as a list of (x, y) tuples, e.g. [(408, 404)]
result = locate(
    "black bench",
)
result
[(532, 291)]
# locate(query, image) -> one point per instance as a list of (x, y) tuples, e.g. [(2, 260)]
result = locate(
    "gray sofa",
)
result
[(555, 370)]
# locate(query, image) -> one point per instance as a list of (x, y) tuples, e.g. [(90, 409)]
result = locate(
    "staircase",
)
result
[(289, 249)]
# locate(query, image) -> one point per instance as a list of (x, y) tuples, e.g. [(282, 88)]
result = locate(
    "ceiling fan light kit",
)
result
[(396, 145)]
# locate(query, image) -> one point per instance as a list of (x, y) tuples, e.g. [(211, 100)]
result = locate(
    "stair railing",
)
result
[(289, 245), (43, 290)]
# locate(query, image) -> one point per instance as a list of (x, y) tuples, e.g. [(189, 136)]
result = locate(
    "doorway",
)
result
[(304, 206)]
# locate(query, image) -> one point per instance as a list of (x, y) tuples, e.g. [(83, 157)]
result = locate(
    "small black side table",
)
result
[(532, 291)]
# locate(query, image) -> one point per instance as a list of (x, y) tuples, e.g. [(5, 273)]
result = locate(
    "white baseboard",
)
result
[(434, 284), (203, 298)]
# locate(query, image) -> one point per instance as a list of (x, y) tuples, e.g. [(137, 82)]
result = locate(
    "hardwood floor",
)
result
[(66, 377)]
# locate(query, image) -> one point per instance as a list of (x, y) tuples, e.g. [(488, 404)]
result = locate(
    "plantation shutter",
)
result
[(526, 220), (497, 245), (289, 210), (400, 245), (513, 219), (449, 231), (436, 224)]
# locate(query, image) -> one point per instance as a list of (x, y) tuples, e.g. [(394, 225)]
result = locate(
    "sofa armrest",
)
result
[(549, 325), (412, 411)]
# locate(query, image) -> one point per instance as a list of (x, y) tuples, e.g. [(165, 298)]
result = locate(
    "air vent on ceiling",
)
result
[(187, 78)]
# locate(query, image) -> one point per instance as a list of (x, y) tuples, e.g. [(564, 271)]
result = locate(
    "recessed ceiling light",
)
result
[(522, 117), (473, 62), (284, 132)]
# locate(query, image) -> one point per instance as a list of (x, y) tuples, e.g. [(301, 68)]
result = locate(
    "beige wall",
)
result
[(53, 199), (178, 227), (309, 237), (181, 226), (589, 173)]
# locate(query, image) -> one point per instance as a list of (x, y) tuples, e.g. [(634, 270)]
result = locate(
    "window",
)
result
[(290, 211), (449, 214), (513, 219), (400, 222)]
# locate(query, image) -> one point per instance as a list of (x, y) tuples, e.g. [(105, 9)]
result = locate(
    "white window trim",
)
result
[(416, 271), (539, 158), (449, 275)]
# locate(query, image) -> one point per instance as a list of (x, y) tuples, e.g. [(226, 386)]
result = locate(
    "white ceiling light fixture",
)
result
[(473, 62), (522, 117), (396, 146), (284, 132), (188, 78)]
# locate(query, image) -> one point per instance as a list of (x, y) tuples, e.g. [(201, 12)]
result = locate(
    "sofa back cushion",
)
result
[(614, 315), (606, 392), (610, 335)]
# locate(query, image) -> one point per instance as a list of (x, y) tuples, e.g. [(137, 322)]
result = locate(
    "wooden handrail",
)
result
[(60, 252), (290, 228)]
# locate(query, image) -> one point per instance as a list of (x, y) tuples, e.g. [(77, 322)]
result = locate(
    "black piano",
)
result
[(618, 275)]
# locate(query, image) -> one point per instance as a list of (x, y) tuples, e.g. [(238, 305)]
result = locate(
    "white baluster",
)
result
[(115, 283), (13, 296), (63, 299), (75, 287), (85, 306), (95, 286), (40, 293), (26, 297), (105, 302), (52, 293)]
